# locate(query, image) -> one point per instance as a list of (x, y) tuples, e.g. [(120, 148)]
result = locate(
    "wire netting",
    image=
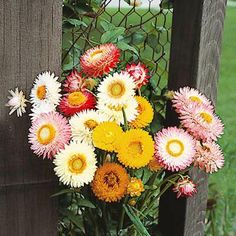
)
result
[(147, 30)]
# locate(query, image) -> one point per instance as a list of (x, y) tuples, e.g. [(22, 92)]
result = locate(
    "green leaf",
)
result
[(95, 3), (154, 83), (63, 191), (157, 122), (106, 25), (75, 22), (85, 203), (150, 64), (139, 173), (152, 41), (166, 4), (71, 64), (112, 35), (124, 46), (76, 219), (146, 175), (66, 40), (138, 38), (136, 221)]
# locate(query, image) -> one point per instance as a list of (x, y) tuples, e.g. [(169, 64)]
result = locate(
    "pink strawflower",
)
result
[(139, 73), (187, 96), (49, 133), (209, 157), (185, 188), (100, 60), (174, 148), (74, 82), (201, 122)]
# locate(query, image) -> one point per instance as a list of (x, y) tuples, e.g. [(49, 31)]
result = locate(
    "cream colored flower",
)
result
[(17, 102), (76, 164)]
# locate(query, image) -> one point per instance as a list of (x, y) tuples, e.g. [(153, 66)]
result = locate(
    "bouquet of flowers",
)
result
[(95, 127)]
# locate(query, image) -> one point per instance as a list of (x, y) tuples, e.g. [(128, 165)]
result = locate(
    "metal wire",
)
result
[(148, 29)]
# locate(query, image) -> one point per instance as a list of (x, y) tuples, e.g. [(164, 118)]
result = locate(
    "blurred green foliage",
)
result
[(222, 184)]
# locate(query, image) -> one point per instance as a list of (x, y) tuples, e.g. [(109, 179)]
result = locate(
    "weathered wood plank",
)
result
[(195, 54), (30, 42)]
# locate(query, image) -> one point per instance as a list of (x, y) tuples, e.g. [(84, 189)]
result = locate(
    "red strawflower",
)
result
[(100, 60), (185, 188), (77, 101), (74, 82), (139, 73)]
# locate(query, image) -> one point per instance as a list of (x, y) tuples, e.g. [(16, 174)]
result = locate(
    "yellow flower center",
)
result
[(77, 164), (111, 179), (46, 134), (97, 54), (135, 148), (175, 147), (116, 89), (136, 186), (76, 98), (117, 108), (206, 117), (91, 124), (195, 99), (41, 92)]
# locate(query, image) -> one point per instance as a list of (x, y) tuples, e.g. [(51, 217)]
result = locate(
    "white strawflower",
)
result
[(17, 102), (76, 164), (46, 89), (115, 90)]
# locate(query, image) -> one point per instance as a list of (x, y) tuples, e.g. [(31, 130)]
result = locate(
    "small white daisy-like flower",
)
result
[(83, 123), (187, 96), (44, 107), (201, 122), (116, 89), (75, 164), (174, 148), (114, 113), (17, 102), (46, 89)]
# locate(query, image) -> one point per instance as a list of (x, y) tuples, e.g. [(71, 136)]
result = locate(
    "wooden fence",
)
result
[(30, 42)]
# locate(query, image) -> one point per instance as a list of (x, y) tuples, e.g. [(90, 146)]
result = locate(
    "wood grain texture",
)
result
[(30, 42), (195, 55)]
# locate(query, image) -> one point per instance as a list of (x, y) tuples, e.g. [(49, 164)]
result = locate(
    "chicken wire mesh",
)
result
[(143, 32)]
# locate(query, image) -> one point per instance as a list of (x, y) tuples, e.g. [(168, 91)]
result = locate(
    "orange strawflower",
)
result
[(110, 182)]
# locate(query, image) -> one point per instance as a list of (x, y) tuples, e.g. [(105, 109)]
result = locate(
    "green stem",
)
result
[(147, 210), (94, 222), (150, 182), (105, 217), (149, 207), (125, 119), (139, 92), (122, 216)]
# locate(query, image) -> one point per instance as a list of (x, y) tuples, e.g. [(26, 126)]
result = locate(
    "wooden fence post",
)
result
[(30, 42), (194, 61)]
